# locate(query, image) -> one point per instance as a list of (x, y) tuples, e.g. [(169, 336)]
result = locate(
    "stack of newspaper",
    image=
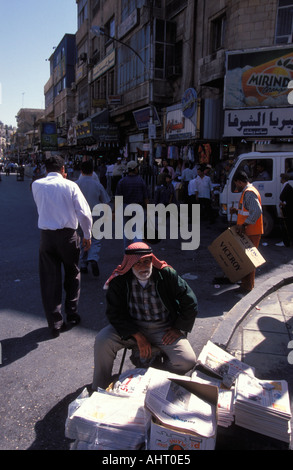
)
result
[(175, 406), (225, 401), (106, 421), (263, 406), (223, 364)]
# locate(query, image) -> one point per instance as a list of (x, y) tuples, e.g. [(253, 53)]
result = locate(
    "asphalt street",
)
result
[(40, 376)]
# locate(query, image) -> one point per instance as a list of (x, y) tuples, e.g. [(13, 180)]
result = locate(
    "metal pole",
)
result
[(151, 87)]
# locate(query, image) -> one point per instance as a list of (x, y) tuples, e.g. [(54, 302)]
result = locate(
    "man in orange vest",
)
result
[(249, 219)]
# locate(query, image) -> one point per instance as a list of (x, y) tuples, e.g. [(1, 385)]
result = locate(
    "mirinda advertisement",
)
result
[(258, 78)]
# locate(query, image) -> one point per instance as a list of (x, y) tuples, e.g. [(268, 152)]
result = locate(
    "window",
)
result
[(256, 170), (289, 167), (165, 38), (103, 87), (218, 27), (111, 84), (110, 31), (128, 6), (82, 12), (131, 70), (284, 27)]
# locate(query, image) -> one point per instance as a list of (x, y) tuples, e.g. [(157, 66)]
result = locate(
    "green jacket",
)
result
[(174, 292)]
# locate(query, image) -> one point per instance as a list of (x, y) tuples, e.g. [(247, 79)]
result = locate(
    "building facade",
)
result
[(191, 79), (59, 91)]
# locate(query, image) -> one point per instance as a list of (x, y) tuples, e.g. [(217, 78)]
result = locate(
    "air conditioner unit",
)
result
[(83, 57), (73, 86)]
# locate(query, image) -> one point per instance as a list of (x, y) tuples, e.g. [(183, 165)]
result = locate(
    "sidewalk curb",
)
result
[(236, 315)]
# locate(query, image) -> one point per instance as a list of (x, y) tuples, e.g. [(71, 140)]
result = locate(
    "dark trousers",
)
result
[(247, 283), (59, 249), (287, 231)]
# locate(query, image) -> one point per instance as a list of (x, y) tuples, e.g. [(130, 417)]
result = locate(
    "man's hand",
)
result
[(144, 346), (233, 210), (171, 335), (86, 244), (240, 229)]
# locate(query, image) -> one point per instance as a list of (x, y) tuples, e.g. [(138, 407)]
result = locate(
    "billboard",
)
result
[(49, 139), (258, 78)]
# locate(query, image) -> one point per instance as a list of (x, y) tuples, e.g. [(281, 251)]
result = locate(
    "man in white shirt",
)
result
[(201, 188), (61, 207)]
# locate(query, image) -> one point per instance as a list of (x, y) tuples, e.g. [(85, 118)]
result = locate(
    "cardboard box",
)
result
[(184, 414), (165, 438), (235, 254)]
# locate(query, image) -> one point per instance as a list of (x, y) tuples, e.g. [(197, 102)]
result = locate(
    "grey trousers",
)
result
[(181, 357)]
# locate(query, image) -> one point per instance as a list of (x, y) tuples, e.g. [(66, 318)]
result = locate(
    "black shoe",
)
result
[(57, 330), (73, 319), (95, 268)]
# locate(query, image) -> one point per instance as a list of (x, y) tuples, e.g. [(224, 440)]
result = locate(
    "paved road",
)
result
[(40, 376)]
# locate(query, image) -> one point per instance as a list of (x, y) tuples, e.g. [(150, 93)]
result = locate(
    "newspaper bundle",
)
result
[(105, 421), (263, 406), (175, 406), (222, 364), (225, 401)]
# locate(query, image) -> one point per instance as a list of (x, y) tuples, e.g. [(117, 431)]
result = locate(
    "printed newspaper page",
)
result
[(175, 406), (222, 363)]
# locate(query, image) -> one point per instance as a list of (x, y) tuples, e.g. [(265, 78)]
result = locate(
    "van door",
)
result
[(262, 173), (265, 180)]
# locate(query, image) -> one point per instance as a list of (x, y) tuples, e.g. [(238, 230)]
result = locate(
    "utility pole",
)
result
[(152, 127)]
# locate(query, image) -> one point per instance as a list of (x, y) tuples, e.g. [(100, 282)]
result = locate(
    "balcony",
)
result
[(48, 85), (212, 68)]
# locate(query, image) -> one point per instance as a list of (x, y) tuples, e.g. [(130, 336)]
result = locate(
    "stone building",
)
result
[(173, 78)]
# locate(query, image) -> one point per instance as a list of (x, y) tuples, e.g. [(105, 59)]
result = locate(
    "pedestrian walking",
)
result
[(249, 220), (95, 193), (134, 191), (165, 192), (61, 206), (286, 205), (148, 304), (201, 190)]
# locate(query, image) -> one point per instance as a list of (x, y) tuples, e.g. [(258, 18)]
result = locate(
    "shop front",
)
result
[(97, 136)]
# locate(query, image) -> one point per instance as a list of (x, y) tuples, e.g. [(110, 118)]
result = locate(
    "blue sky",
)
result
[(29, 30)]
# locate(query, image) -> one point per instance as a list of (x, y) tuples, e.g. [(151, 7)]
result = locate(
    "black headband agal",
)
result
[(139, 251)]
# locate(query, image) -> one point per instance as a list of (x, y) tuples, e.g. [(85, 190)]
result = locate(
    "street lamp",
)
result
[(99, 31)]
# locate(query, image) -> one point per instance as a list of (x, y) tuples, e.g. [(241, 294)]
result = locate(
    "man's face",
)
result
[(240, 185), (143, 268)]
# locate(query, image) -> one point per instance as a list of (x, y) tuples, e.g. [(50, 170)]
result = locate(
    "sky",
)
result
[(29, 31)]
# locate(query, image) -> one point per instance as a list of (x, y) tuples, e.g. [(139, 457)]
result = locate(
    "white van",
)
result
[(263, 170)]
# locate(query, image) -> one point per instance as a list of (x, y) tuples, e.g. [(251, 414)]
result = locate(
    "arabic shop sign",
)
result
[(259, 122), (177, 126)]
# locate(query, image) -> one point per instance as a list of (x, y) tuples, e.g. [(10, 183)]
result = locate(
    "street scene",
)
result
[(146, 249), (41, 375)]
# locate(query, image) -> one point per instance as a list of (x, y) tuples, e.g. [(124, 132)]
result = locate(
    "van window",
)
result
[(289, 167), (256, 170)]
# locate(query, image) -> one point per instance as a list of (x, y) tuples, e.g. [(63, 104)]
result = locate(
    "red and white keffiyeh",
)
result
[(133, 254)]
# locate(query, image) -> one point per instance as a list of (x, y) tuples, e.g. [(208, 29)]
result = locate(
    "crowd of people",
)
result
[(149, 306)]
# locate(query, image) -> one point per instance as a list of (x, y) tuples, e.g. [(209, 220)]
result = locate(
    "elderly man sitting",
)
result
[(148, 304)]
